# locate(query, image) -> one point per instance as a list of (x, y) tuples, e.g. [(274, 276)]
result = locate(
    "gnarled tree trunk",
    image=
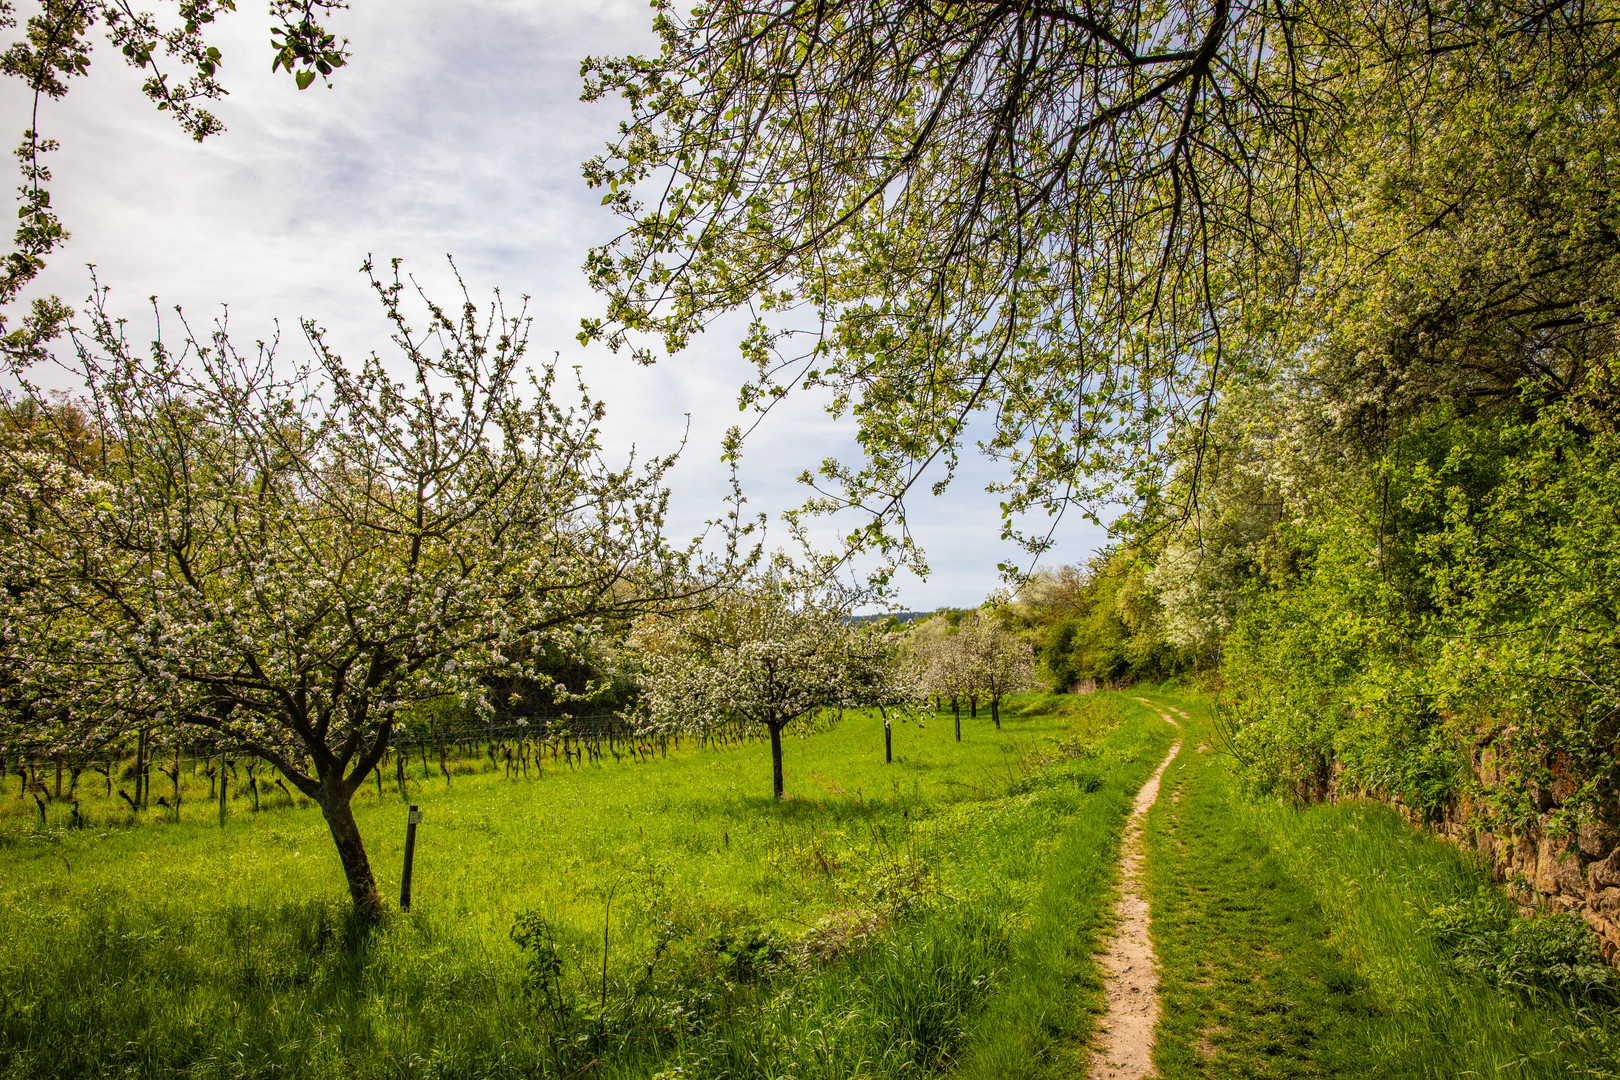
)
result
[(334, 803)]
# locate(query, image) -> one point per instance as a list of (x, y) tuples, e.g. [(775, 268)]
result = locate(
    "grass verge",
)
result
[(1302, 943)]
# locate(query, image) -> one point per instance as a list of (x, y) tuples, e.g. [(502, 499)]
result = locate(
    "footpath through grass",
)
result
[(1298, 943), (937, 914)]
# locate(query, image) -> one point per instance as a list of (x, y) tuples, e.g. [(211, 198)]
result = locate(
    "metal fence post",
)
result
[(411, 821)]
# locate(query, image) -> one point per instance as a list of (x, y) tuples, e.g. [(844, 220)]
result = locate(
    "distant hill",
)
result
[(885, 616), (903, 617)]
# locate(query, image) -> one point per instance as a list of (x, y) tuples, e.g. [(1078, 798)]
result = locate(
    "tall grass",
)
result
[(885, 921), (1299, 942), (1378, 879), (1040, 1023)]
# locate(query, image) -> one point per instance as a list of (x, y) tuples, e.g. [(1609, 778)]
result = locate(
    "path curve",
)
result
[(1123, 1046)]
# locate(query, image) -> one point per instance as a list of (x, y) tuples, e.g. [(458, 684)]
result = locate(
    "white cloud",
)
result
[(457, 130)]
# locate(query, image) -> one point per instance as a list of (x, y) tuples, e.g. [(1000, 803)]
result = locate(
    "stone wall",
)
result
[(1543, 874)]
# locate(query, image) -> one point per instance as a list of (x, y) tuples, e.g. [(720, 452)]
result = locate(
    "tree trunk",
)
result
[(776, 758), (973, 706), (958, 725), (339, 816), (995, 710), (888, 742)]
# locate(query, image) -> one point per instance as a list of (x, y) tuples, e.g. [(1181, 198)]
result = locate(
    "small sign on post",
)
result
[(412, 820)]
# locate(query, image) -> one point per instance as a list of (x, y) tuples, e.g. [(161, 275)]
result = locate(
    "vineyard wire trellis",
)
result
[(513, 744)]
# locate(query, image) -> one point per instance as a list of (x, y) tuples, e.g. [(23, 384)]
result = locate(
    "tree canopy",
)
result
[(1078, 224)]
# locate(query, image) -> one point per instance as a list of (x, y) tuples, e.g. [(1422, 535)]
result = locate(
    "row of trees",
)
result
[(1321, 293), (296, 563), (973, 658)]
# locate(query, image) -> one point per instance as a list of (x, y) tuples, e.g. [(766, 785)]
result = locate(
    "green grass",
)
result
[(1293, 943), (937, 916), (1250, 986), (938, 913)]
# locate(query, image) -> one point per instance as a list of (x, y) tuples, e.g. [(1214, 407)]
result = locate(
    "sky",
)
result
[(455, 130)]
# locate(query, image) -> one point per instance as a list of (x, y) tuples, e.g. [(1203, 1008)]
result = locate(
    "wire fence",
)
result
[(592, 726), (518, 747)]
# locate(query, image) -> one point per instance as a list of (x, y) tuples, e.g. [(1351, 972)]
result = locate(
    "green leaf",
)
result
[(304, 78)]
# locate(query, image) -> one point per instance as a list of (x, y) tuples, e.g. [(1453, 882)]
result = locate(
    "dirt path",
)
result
[(1123, 1048)]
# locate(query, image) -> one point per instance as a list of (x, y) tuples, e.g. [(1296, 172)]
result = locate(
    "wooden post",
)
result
[(222, 783), (888, 739), (411, 820)]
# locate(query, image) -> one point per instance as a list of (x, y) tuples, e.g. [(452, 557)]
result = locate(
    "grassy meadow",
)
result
[(934, 916), (671, 918)]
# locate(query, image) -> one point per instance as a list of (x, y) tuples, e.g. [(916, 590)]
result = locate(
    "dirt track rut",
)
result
[(1123, 1046)]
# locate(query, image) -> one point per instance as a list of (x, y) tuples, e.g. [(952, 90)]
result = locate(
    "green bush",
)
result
[(1550, 954)]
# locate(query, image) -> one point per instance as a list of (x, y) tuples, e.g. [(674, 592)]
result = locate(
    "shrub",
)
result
[(1551, 954)]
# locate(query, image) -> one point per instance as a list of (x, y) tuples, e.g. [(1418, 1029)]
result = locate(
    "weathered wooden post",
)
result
[(412, 819)]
